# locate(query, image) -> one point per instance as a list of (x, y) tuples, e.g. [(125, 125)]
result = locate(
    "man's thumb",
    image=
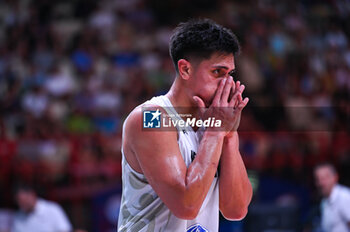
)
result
[(199, 101)]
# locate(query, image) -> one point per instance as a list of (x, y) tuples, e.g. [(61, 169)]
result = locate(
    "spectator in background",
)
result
[(38, 214), (335, 206)]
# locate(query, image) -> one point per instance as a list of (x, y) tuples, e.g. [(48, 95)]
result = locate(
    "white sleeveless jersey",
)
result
[(141, 208)]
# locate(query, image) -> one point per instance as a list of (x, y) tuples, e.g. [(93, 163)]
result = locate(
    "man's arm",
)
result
[(182, 189), (235, 188)]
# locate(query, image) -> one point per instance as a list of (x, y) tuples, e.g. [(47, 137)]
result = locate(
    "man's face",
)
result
[(26, 200), (208, 74), (325, 180)]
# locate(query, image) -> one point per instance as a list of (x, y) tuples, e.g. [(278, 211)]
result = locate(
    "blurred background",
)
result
[(71, 71)]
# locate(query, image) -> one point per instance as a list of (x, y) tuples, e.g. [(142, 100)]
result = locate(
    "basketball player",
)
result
[(170, 177)]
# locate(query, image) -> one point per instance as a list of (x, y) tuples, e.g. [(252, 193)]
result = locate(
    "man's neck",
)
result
[(180, 99), (33, 206)]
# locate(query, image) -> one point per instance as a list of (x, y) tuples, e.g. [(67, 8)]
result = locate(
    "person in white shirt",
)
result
[(172, 178), (335, 205), (38, 215)]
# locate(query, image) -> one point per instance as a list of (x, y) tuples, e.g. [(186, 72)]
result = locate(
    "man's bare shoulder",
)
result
[(134, 128), (143, 145)]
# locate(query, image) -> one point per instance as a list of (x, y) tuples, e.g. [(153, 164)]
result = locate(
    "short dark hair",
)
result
[(326, 165), (200, 38), (25, 187)]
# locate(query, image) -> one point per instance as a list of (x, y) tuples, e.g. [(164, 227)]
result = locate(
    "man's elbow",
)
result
[(236, 214), (186, 213)]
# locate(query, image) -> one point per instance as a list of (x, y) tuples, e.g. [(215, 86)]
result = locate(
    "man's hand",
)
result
[(235, 189), (227, 105), (237, 91)]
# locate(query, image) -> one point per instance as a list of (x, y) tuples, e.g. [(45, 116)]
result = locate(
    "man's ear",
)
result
[(185, 69)]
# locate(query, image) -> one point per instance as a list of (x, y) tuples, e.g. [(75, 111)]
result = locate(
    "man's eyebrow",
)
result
[(220, 66), (224, 67)]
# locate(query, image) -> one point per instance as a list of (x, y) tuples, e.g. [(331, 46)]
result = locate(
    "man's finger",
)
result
[(218, 93), (238, 83), (243, 103), (239, 100), (241, 89), (233, 89), (200, 103), (235, 100), (233, 95), (226, 91)]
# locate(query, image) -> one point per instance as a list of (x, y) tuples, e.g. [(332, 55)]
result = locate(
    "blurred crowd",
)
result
[(71, 71)]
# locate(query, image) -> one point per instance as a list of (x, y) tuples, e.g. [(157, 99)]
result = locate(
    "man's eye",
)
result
[(219, 73), (216, 71)]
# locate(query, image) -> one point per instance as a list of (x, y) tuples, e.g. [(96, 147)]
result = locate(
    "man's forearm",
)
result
[(201, 172), (235, 187)]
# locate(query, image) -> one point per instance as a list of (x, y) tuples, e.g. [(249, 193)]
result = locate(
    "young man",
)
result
[(37, 214), (335, 206), (170, 179)]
